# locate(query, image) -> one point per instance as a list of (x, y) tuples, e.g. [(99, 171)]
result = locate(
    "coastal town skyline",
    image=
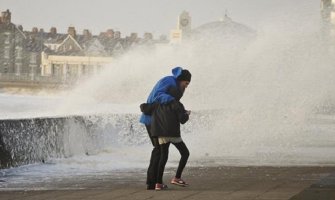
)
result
[(157, 17), (52, 55)]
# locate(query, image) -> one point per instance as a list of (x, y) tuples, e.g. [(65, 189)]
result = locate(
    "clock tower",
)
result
[(184, 22), (183, 29)]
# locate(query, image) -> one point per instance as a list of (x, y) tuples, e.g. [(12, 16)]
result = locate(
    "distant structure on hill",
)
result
[(221, 29)]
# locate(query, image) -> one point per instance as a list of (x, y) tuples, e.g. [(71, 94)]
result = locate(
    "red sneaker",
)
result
[(179, 181), (161, 186)]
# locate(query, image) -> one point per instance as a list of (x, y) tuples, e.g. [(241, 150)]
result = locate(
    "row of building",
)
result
[(40, 55), (37, 55)]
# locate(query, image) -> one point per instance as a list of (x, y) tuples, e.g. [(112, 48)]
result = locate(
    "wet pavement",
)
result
[(322, 189)]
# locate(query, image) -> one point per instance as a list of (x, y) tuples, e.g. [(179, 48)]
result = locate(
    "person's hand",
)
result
[(188, 112)]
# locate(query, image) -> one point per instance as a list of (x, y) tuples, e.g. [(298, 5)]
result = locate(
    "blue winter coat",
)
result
[(159, 93)]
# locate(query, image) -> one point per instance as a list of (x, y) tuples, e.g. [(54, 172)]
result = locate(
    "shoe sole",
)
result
[(179, 184), (159, 189)]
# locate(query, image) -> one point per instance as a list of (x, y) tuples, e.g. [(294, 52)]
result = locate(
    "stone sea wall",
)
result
[(36, 140), (24, 141)]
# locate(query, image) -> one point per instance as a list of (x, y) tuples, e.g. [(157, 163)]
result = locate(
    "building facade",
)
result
[(37, 55), (328, 19), (71, 67), (12, 41)]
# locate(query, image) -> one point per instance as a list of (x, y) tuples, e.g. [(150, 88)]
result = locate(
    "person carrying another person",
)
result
[(162, 115)]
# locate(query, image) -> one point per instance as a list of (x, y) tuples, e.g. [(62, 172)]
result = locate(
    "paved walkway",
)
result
[(323, 189), (223, 183)]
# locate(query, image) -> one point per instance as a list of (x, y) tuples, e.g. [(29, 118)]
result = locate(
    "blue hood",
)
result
[(176, 72), (159, 93)]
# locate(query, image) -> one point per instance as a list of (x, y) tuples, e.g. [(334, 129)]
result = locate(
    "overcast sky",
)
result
[(155, 16)]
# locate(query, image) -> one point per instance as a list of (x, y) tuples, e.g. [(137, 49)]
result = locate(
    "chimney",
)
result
[(117, 35), (87, 34), (72, 31), (34, 30), (148, 36), (102, 34), (133, 36), (6, 17), (53, 31), (110, 33), (20, 27)]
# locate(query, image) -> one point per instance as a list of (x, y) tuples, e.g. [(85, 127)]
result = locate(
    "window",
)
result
[(18, 52), (6, 53), (18, 68), (5, 67), (7, 38), (18, 40), (33, 58)]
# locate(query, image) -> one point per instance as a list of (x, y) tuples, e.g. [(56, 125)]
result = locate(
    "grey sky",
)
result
[(156, 16)]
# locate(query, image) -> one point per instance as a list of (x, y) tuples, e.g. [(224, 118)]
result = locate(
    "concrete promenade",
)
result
[(233, 183)]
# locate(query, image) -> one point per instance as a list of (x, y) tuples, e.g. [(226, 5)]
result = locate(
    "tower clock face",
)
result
[(184, 22)]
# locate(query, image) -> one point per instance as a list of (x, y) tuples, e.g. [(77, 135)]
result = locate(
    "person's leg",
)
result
[(154, 160), (184, 157), (162, 162)]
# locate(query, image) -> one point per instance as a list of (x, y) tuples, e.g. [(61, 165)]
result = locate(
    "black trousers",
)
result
[(164, 157), (154, 160)]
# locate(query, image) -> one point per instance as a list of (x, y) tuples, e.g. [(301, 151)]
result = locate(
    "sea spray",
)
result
[(265, 86)]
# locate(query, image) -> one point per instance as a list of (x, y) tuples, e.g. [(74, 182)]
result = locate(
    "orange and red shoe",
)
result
[(161, 186)]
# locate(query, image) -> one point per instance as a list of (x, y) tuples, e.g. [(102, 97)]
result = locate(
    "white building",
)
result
[(70, 62), (328, 18)]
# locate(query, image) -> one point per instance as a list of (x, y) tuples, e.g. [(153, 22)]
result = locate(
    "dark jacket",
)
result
[(167, 116), (166, 119), (148, 108)]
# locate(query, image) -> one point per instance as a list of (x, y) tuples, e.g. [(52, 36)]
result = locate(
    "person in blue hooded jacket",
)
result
[(164, 92)]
